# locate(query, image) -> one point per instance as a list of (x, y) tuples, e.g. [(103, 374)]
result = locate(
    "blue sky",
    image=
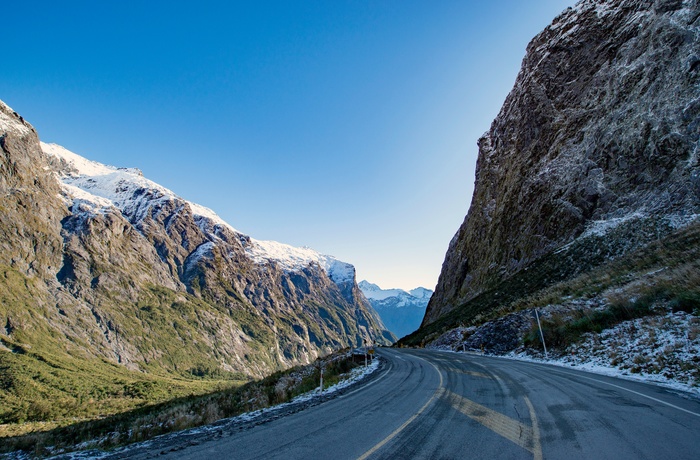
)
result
[(346, 126)]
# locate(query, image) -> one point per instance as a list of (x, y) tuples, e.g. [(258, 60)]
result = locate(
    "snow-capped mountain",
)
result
[(401, 311), (89, 186), (421, 293), (109, 268)]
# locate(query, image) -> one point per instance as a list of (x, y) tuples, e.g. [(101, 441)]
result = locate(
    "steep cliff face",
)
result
[(30, 239), (99, 263), (600, 132)]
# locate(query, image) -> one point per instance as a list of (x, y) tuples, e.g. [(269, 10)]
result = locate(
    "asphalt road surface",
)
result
[(436, 405)]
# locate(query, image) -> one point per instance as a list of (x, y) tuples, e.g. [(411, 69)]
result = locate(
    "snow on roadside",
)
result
[(660, 349), (354, 376), (663, 348)]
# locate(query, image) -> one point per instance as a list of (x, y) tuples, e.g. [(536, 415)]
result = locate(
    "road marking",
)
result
[(536, 443), (472, 373), (637, 393), (513, 430), (440, 390), (535, 429), (549, 367)]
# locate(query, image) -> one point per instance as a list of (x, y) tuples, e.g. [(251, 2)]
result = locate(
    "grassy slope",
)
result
[(182, 412), (585, 268), (46, 374), (55, 366)]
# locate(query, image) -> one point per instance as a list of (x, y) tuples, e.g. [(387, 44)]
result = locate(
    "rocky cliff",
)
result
[(597, 141), (100, 265)]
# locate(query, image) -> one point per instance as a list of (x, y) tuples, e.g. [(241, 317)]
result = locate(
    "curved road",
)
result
[(438, 405)]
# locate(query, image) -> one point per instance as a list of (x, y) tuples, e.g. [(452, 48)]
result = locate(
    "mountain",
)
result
[(401, 311), (106, 274), (592, 160)]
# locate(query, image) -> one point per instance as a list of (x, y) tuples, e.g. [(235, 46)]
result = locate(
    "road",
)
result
[(436, 405)]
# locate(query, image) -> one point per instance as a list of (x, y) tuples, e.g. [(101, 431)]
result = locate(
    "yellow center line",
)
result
[(440, 390), (511, 429), (535, 447), (536, 443), (526, 437)]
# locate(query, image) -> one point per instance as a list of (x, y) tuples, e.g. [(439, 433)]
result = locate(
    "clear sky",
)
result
[(346, 126)]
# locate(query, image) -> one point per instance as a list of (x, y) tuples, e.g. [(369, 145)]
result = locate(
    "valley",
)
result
[(118, 294), (128, 312)]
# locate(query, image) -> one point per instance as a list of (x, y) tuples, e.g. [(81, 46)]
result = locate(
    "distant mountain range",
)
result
[(401, 311)]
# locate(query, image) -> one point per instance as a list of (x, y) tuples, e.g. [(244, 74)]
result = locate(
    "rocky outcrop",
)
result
[(498, 337), (602, 128), (30, 239), (100, 263)]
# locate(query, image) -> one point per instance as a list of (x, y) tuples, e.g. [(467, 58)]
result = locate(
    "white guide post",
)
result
[(539, 325), (320, 387)]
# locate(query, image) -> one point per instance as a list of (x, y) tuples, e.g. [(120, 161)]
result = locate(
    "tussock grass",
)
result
[(642, 259), (561, 331), (183, 412), (54, 370)]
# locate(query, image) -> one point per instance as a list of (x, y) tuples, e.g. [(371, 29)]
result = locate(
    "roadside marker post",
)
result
[(320, 388), (539, 325), (365, 350)]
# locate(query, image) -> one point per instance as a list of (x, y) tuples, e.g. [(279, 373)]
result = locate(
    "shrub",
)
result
[(178, 414), (687, 301), (560, 332)]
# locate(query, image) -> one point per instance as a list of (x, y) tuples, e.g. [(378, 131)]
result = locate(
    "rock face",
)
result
[(30, 234), (99, 262), (601, 129), (401, 311)]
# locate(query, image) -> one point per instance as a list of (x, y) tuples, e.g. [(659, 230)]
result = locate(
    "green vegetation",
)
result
[(55, 368), (182, 412), (73, 360), (75, 371), (632, 259), (561, 331), (40, 389)]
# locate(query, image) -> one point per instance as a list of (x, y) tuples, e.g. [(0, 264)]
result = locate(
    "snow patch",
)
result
[(660, 349), (374, 292), (202, 211), (11, 122), (124, 188), (80, 200), (384, 294), (292, 259), (82, 166), (203, 250), (421, 293), (601, 227), (89, 186)]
